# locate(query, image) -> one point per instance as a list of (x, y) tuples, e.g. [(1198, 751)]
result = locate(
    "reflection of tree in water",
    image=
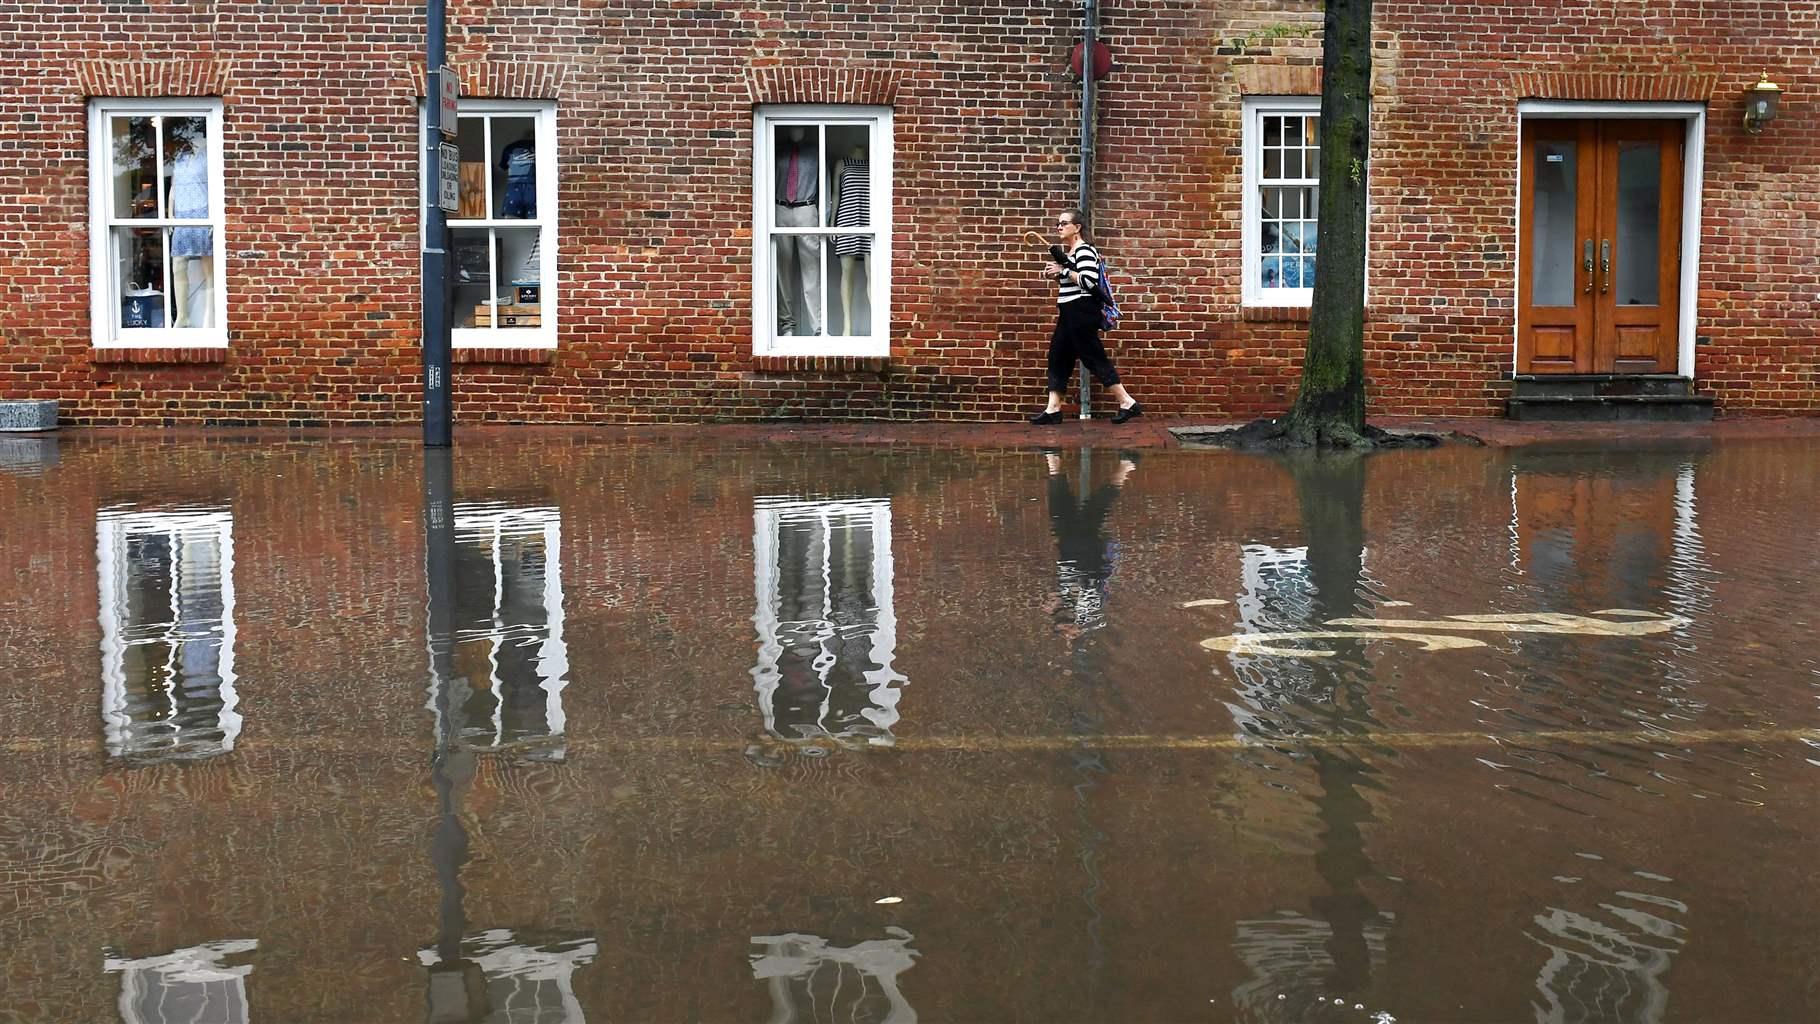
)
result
[(1336, 952), (813, 981), (827, 630)]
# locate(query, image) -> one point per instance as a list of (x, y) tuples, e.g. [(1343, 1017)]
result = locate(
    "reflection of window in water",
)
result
[(1290, 963), (1607, 967), (826, 629), (813, 982), (511, 664), (188, 986), (526, 981), (1278, 597), (167, 633)]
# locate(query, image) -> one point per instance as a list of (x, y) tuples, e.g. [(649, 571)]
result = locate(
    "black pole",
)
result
[(438, 417), (1090, 17)]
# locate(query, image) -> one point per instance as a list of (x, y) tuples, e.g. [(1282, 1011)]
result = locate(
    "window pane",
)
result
[(796, 275), (1273, 164), (186, 168), (1292, 131), (192, 277), (851, 177), (134, 157), (471, 144), (850, 305), (514, 160), (139, 276), (1272, 236), (1271, 272), (797, 185), (1314, 131), (521, 265), (474, 293), (1639, 224), (1273, 131), (1553, 224)]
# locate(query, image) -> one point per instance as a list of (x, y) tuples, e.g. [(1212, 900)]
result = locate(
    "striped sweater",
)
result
[(1085, 260)]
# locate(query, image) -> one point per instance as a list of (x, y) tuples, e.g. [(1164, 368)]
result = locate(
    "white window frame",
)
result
[(1255, 109), (549, 285), (765, 121), (104, 288), (1693, 177)]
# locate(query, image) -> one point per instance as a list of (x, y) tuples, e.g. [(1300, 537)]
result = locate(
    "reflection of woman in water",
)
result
[(1084, 555)]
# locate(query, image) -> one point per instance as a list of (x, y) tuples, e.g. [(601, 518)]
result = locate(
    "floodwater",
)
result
[(662, 729)]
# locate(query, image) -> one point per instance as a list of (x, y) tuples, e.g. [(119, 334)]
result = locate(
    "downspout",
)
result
[(1090, 15)]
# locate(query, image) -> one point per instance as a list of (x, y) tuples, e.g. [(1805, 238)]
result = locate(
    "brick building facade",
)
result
[(292, 265)]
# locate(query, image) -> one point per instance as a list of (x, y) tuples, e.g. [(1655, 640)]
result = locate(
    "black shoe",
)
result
[(1046, 418), (1134, 411)]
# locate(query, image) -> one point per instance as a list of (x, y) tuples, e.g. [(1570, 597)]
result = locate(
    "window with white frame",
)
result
[(822, 240), (502, 239), (155, 223), (1282, 199)]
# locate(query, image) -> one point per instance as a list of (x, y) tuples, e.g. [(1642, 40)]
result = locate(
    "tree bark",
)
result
[(1329, 409)]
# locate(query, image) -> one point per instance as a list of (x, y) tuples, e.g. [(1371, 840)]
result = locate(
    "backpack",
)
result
[(1102, 290)]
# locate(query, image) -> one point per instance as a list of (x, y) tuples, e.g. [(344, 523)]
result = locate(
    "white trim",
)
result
[(104, 298), (1693, 174), (543, 112), (1255, 108), (878, 265)]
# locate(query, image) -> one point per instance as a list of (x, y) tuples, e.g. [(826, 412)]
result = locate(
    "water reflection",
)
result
[(28, 456), (192, 985), (167, 633), (1085, 555), (504, 978), (510, 664), (813, 981), (1606, 966), (827, 628)]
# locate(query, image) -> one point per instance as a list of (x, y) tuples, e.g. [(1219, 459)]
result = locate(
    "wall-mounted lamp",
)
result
[(1760, 102)]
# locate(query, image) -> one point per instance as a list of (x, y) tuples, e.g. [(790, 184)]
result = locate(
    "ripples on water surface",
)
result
[(671, 730)]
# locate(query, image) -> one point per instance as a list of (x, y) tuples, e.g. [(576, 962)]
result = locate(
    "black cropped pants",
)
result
[(1077, 339)]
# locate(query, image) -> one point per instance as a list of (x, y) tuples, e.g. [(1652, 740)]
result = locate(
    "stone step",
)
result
[(28, 414), (1547, 385), (1613, 408)]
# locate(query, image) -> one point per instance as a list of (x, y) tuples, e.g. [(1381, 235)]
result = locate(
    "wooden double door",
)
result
[(1600, 276)]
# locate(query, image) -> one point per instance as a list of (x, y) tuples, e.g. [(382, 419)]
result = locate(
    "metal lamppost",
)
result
[(439, 92)]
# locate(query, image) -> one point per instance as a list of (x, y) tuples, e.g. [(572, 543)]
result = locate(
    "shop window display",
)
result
[(504, 226)]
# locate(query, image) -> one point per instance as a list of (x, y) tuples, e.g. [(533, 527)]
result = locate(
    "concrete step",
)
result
[(1612, 408), (1592, 385)]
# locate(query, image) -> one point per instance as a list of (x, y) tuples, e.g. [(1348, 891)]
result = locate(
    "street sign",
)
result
[(451, 91), (449, 178)]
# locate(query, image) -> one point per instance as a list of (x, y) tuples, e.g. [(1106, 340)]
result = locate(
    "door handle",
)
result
[(1586, 263), (1604, 265)]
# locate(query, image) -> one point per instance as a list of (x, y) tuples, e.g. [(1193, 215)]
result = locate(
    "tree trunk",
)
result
[(1329, 409)]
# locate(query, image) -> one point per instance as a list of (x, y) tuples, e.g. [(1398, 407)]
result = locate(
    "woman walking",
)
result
[(1076, 272)]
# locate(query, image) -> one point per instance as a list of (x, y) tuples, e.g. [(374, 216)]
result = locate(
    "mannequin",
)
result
[(519, 162), (852, 209), (192, 248), (799, 257)]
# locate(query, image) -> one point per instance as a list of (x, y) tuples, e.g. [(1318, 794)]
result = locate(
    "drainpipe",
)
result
[(1090, 14)]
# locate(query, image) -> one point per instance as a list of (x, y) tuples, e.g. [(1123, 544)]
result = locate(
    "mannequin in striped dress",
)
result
[(852, 209)]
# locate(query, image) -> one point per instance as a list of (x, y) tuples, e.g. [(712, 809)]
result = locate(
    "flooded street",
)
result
[(672, 729)]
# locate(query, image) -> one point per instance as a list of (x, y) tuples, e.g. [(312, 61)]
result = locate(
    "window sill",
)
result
[(506, 356), (157, 356), (822, 364), (1275, 314)]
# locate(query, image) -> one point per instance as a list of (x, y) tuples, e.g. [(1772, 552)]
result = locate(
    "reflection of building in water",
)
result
[(188, 986), (1607, 967), (167, 633), (1291, 964), (827, 632), (813, 982), (525, 981), (510, 662)]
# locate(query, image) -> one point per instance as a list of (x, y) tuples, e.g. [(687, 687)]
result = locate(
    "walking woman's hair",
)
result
[(1077, 216)]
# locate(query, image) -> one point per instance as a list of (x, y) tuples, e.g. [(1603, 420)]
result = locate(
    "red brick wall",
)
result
[(654, 106)]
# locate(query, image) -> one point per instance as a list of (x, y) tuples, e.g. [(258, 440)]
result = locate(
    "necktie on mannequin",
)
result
[(790, 177)]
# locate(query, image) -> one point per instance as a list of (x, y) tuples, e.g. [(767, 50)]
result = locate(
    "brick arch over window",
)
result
[(1657, 87), (204, 76), (858, 85), (500, 79)]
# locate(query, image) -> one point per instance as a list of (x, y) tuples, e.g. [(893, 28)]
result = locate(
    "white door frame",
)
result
[(1693, 173)]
